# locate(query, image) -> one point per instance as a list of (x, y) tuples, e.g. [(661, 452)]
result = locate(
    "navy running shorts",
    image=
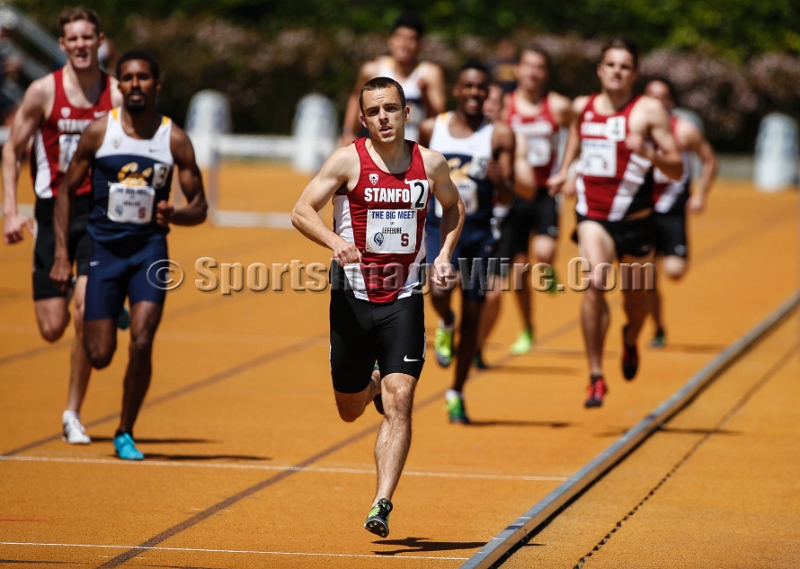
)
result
[(125, 268), (475, 257), (363, 332)]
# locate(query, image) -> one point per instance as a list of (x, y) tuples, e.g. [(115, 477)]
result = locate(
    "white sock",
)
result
[(66, 415), (453, 394), (447, 327)]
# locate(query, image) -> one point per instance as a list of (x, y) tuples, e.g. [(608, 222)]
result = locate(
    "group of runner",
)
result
[(483, 183), (468, 190), (102, 161)]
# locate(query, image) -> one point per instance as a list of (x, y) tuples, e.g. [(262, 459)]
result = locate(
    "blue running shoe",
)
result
[(126, 448), (124, 319)]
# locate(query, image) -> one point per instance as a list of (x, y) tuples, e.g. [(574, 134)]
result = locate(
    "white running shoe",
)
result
[(74, 433)]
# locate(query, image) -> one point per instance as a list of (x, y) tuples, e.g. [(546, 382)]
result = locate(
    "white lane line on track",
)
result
[(247, 551), (468, 476)]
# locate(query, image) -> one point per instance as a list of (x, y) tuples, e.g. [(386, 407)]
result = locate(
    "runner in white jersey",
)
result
[(615, 133), (422, 81), (380, 186), (480, 153), (132, 153), (673, 199)]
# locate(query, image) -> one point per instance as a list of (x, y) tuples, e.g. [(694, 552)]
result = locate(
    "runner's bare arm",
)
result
[(433, 92), (690, 137), (116, 95), (426, 131), (654, 120), (573, 149), (91, 139), (506, 108), (560, 108), (452, 213), (524, 180), (501, 166), (351, 124), (341, 169), (37, 99), (191, 183)]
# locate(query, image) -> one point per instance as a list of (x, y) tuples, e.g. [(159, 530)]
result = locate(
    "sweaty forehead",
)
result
[(79, 28), (618, 54), (381, 97), (135, 66)]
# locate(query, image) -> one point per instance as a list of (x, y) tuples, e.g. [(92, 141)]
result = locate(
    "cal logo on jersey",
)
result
[(154, 177), (459, 172)]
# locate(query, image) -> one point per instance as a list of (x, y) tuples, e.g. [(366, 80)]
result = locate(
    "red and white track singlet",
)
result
[(384, 216), (613, 182), (541, 132), (57, 137), (669, 196)]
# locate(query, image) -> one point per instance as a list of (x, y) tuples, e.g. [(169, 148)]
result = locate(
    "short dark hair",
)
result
[(77, 14), (538, 50), (477, 65), (673, 92), (621, 42), (140, 54), (381, 83), (409, 20)]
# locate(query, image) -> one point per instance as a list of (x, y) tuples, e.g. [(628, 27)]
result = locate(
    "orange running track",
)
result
[(248, 463)]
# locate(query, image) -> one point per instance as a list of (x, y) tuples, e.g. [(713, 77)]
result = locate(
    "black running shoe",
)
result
[(378, 518), (630, 357), (597, 390)]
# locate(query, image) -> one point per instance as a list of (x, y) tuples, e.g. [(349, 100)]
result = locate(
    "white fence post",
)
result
[(314, 132), (776, 153)]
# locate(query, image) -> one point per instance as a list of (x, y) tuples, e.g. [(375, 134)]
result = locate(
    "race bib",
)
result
[(599, 158), (130, 204), (392, 230), (67, 145), (539, 151)]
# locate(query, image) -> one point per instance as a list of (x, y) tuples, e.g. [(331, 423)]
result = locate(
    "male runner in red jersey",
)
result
[(671, 198), (55, 111), (536, 114), (613, 133), (380, 188)]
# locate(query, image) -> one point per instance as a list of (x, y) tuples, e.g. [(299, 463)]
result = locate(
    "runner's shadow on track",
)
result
[(516, 423), (691, 348), (535, 370), (421, 544), (182, 457), (674, 430), (24, 562), (157, 441)]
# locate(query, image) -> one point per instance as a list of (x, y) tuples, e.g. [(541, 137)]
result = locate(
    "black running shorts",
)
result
[(44, 248), (671, 234), (634, 237), (362, 332), (539, 215)]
